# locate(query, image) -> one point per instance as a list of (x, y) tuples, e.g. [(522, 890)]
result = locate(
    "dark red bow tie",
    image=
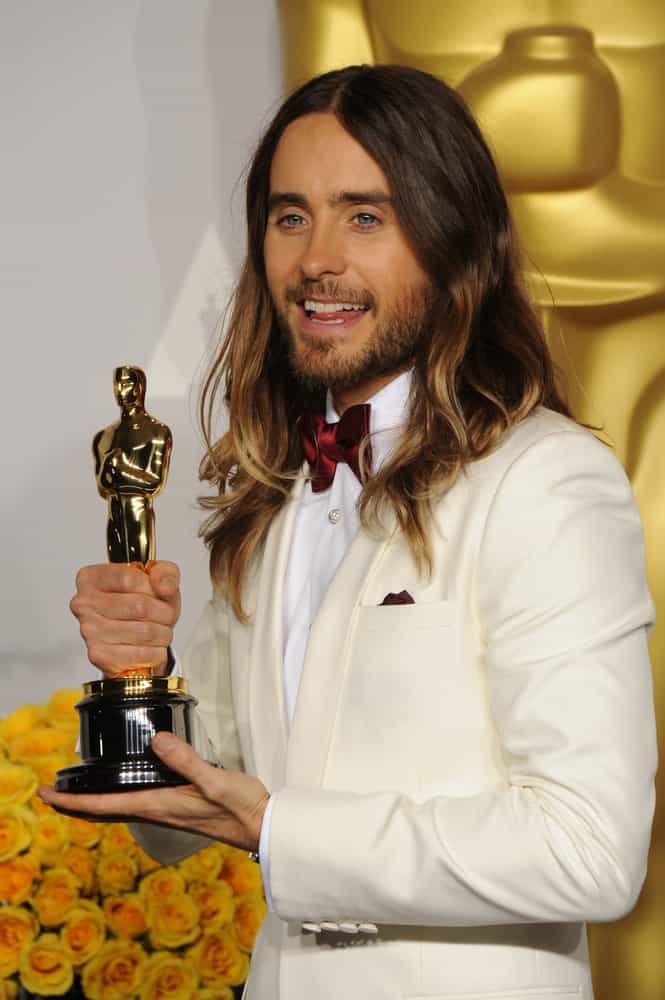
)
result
[(327, 444)]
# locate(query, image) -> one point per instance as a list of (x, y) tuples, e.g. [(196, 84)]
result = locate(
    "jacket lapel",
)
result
[(267, 711), (326, 660)]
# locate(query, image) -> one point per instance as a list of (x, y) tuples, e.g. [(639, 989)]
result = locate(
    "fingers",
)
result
[(126, 614), (117, 578), (111, 805), (125, 608)]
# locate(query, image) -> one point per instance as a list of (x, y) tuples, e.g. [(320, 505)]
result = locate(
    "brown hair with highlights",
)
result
[(480, 367)]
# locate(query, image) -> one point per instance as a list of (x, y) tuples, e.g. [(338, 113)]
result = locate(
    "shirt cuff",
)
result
[(264, 854)]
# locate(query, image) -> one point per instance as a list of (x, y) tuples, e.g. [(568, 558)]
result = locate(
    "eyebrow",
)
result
[(374, 197)]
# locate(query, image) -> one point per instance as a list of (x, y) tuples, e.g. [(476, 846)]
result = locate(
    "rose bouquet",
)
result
[(84, 911)]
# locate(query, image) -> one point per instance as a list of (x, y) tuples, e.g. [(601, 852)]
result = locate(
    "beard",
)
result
[(317, 362)]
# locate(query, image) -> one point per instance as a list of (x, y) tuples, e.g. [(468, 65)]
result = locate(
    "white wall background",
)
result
[(124, 128)]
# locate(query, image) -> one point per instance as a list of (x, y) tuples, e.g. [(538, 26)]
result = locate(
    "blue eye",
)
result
[(366, 218), (291, 220)]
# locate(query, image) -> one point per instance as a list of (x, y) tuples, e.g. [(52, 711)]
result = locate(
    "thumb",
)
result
[(165, 580), (180, 756)]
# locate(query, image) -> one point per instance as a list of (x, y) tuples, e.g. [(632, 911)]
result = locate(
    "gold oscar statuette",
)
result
[(119, 716)]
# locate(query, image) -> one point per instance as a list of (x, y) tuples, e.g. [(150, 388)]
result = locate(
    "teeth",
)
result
[(310, 305)]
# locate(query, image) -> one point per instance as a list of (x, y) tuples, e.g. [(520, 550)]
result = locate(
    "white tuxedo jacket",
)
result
[(473, 773)]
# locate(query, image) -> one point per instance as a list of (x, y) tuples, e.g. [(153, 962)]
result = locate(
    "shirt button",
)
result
[(334, 515)]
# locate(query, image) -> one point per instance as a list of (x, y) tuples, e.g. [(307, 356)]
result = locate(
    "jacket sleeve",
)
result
[(205, 665), (564, 610)]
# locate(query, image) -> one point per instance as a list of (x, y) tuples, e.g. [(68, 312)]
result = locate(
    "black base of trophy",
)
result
[(118, 719)]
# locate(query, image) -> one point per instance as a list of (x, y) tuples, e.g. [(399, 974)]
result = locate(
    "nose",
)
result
[(322, 253)]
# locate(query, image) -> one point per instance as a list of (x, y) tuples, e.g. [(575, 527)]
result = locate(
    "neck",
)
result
[(346, 396)]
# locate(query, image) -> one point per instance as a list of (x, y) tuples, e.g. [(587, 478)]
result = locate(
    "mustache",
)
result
[(330, 290)]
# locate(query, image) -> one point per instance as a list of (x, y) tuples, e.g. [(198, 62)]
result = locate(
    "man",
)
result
[(424, 666)]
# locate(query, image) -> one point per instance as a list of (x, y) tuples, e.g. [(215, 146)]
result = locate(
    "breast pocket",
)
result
[(399, 657), (402, 644), (384, 617)]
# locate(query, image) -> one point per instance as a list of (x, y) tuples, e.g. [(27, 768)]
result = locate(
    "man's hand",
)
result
[(223, 805), (126, 615)]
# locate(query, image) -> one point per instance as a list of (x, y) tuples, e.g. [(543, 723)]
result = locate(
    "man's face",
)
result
[(349, 292)]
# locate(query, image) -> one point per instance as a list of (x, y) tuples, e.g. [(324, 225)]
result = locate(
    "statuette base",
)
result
[(118, 719)]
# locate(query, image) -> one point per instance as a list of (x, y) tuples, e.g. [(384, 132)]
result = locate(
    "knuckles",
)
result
[(83, 578), (77, 605), (139, 608)]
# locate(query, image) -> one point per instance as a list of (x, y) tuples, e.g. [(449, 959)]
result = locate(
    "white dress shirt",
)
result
[(325, 524)]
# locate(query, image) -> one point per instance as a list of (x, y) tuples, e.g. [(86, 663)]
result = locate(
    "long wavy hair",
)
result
[(481, 365)]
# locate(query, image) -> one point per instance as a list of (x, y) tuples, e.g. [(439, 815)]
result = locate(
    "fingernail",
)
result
[(169, 585)]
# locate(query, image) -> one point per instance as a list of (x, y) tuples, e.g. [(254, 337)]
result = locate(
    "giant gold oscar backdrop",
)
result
[(571, 96)]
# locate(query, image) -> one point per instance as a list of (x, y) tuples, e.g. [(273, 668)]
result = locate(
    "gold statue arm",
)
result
[(117, 473)]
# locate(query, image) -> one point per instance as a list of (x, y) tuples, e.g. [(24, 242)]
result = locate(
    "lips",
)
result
[(335, 321)]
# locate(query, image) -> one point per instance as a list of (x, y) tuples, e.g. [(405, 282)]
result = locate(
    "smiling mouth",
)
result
[(332, 313)]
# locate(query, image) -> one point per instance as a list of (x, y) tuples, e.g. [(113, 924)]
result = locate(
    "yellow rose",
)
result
[(83, 833), (204, 866), (168, 977), (45, 968), (116, 873), (47, 767), (82, 864), (55, 897), (17, 784), (21, 720), (60, 710), (214, 993), (117, 839), (116, 971), (38, 806), (215, 901), (159, 885), (39, 742), (83, 932), (18, 928), (16, 878), (51, 836), (175, 922), (247, 919), (126, 915), (219, 960), (16, 825), (243, 875), (146, 863)]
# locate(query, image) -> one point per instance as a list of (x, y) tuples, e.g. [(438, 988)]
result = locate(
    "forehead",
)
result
[(317, 156)]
